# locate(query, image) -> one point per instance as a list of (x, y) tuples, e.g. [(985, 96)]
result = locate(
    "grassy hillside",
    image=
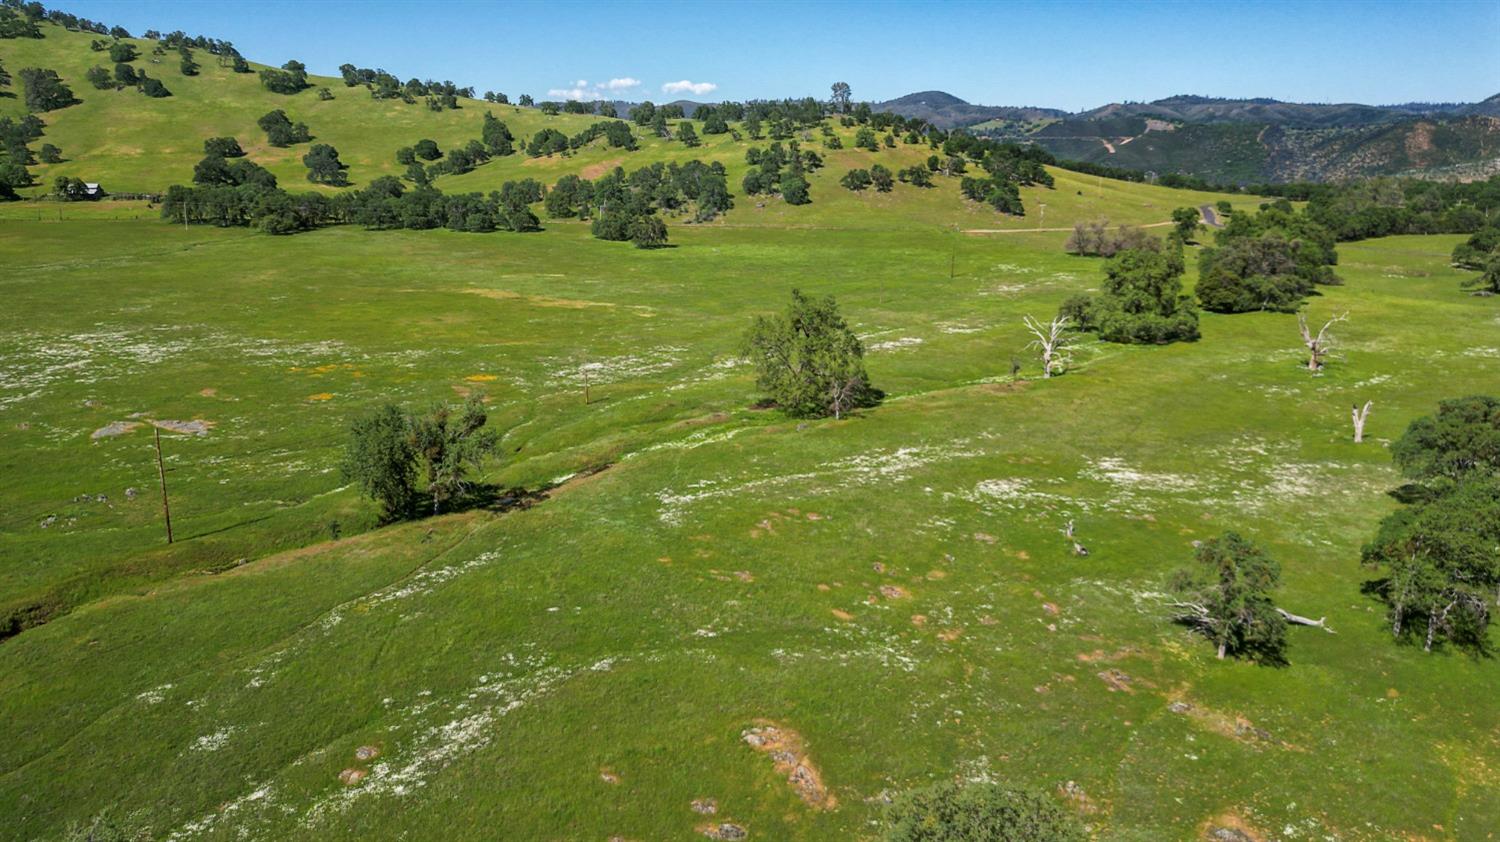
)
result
[(728, 567), (132, 143), (669, 565)]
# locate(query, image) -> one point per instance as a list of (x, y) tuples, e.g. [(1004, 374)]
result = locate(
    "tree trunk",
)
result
[(1431, 628), (1222, 645)]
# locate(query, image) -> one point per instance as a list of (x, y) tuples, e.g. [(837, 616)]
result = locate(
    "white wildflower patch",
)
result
[(958, 327), (615, 369), (691, 442), (1483, 353), (1004, 289), (1115, 471), (859, 469), (1013, 269), (216, 740), (900, 344), (155, 696), (420, 583)]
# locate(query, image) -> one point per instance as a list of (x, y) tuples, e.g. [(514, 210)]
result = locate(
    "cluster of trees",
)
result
[(808, 361), (382, 85), (19, 20), (15, 135), (44, 90), (16, 25), (547, 142), (616, 134), (290, 79), (1009, 167), (1441, 551), (1094, 239), (389, 449), (915, 175), (696, 187), (1141, 300), (126, 76), (1381, 207), (385, 204), (281, 131), (877, 176), (496, 97), (460, 159), (217, 170), (782, 170), (1356, 210), (118, 50), (1271, 260)]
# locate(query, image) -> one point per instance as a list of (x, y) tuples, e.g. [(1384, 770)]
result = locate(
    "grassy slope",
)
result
[(607, 628), (499, 661), (131, 143)]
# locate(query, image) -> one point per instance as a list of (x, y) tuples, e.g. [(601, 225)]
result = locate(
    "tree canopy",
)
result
[(808, 360), (1227, 598)]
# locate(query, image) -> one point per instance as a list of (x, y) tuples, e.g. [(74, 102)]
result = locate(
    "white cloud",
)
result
[(579, 93), (686, 87), (582, 91)]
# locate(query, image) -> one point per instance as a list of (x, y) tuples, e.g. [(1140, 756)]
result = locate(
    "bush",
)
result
[(381, 458), (1142, 301), (1094, 239), (1246, 274), (648, 232), (44, 90), (224, 147), (808, 360), (953, 812), (857, 179)]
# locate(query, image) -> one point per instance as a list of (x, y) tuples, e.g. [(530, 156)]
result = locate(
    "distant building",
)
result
[(92, 190)]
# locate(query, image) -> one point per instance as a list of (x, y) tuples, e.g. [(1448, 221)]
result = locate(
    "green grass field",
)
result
[(894, 587)]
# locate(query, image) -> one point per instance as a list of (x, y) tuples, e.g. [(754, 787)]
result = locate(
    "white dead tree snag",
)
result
[(1298, 620), (1321, 344), (1359, 416), (1078, 549), (1051, 342)]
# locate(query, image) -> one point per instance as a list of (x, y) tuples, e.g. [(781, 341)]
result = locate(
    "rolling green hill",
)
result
[(659, 572), (130, 143)]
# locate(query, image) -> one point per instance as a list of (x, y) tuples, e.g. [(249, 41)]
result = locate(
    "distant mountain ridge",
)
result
[(1243, 140), (947, 111)]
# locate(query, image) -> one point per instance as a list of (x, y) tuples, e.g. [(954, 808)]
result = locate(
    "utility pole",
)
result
[(584, 369), (161, 472), (1042, 216)]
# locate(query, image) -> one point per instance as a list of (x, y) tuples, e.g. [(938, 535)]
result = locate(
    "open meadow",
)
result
[(659, 572)]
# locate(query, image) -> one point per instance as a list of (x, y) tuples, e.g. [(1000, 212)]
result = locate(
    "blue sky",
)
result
[(1071, 55)]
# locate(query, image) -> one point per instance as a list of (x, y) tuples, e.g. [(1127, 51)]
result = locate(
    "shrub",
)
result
[(808, 360), (953, 812)]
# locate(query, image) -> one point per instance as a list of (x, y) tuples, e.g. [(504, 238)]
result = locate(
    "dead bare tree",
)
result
[(1298, 620), (844, 393), (1359, 416), (1078, 549), (1320, 345), (1052, 340)]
